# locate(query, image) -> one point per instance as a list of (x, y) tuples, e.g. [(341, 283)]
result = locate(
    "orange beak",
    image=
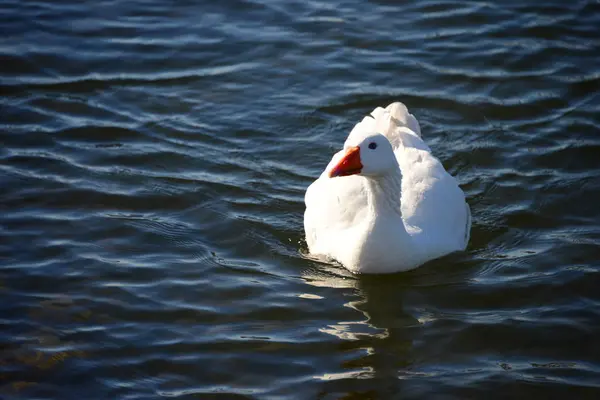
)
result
[(349, 164)]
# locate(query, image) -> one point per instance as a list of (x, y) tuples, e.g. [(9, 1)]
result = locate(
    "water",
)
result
[(153, 166)]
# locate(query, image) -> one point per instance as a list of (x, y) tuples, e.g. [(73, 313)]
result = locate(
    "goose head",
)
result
[(370, 156)]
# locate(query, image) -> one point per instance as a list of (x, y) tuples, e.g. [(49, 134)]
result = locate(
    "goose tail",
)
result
[(398, 125)]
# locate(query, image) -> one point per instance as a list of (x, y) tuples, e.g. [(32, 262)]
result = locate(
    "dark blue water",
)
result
[(152, 171)]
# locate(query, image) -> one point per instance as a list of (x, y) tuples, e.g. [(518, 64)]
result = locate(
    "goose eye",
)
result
[(372, 145)]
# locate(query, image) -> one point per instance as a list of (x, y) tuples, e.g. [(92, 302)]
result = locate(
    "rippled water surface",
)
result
[(152, 170)]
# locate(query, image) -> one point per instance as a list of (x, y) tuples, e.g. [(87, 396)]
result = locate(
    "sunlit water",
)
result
[(152, 171)]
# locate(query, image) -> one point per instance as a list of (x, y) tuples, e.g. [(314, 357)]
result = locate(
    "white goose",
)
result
[(385, 203)]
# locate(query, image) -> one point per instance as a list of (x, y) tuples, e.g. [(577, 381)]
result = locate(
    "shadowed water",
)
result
[(152, 170)]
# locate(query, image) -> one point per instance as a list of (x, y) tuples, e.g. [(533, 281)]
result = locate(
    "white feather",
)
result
[(355, 220)]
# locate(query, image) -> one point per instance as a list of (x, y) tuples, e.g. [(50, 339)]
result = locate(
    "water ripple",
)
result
[(154, 160)]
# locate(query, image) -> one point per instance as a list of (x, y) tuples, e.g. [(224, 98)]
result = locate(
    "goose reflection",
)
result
[(383, 337)]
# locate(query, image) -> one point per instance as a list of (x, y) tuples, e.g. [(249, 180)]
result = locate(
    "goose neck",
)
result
[(384, 193)]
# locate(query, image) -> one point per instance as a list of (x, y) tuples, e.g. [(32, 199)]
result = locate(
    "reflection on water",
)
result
[(381, 336)]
